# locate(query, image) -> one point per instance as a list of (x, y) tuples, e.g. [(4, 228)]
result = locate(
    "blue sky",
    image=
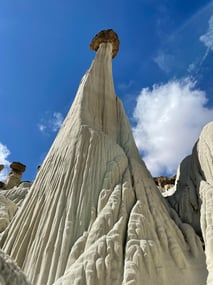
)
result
[(162, 73)]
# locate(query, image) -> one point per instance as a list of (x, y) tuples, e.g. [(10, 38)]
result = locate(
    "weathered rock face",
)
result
[(186, 200), (7, 211), (94, 214), (10, 273), (205, 154), (193, 199), (18, 193), (10, 200)]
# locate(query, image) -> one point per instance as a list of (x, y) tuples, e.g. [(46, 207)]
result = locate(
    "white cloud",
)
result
[(125, 85), (42, 127), (4, 153), (57, 121), (50, 122), (164, 61), (191, 68), (207, 38), (169, 120)]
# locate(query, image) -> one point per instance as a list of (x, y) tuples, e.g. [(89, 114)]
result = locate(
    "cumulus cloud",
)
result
[(4, 153), (207, 38), (169, 118), (50, 122)]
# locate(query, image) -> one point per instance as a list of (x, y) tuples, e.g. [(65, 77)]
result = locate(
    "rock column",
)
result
[(14, 176)]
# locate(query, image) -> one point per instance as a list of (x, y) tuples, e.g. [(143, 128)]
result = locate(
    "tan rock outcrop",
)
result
[(94, 214), (164, 180), (1, 167), (164, 183)]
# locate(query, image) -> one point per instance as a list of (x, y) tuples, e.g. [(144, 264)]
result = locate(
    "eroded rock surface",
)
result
[(186, 200), (10, 273), (205, 157), (193, 198), (7, 211), (18, 193), (10, 200), (94, 214)]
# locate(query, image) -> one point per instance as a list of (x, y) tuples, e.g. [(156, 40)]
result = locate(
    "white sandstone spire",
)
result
[(94, 214)]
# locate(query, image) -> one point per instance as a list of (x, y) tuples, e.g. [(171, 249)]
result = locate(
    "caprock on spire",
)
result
[(106, 36)]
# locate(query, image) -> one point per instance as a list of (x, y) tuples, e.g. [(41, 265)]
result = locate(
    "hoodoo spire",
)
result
[(94, 214)]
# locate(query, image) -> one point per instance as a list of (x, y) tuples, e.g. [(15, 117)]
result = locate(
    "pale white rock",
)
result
[(10, 200), (193, 198), (186, 200), (94, 214), (205, 179)]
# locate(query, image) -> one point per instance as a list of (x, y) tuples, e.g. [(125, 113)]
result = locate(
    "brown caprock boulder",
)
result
[(94, 214)]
